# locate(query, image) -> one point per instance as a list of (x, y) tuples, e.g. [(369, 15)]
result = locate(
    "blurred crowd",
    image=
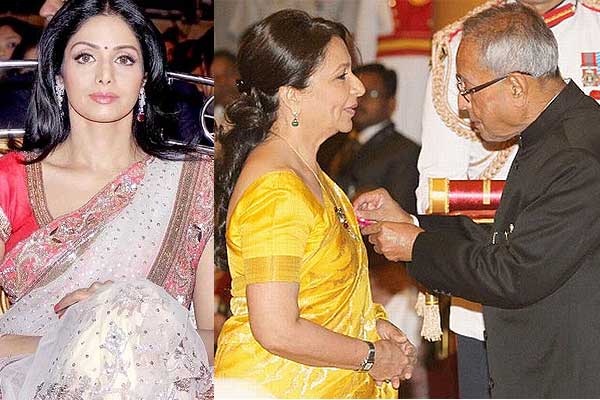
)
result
[(18, 41)]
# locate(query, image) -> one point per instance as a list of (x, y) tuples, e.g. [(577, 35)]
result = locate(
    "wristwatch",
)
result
[(369, 361)]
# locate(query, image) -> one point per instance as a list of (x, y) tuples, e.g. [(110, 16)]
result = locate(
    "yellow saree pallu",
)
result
[(279, 231)]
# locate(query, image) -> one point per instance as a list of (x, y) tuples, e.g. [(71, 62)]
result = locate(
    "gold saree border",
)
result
[(268, 269), (272, 269)]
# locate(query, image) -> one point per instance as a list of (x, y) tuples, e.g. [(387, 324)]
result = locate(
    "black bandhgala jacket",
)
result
[(537, 272)]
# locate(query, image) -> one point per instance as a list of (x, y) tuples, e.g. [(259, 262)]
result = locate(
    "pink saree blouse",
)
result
[(17, 221)]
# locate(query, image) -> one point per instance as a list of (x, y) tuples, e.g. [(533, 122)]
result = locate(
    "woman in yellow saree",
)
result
[(303, 324)]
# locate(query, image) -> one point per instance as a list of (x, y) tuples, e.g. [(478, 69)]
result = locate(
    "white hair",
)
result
[(513, 38)]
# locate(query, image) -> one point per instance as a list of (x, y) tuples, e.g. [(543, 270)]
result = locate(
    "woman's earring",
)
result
[(59, 90), (295, 122), (141, 116)]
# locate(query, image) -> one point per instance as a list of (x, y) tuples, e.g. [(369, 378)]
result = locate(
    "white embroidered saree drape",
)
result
[(133, 340)]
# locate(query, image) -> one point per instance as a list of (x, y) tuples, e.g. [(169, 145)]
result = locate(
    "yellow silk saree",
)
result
[(279, 231)]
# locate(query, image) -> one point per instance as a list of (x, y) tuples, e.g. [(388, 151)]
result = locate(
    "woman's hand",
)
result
[(391, 363), (76, 296), (405, 353), (389, 331)]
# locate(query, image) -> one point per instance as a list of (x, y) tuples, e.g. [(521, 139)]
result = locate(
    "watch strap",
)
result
[(369, 361)]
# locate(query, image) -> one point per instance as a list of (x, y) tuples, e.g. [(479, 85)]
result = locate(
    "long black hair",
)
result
[(47, 124), (284, 49)]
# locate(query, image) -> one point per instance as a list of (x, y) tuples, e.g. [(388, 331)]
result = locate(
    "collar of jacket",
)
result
[(570, 95)]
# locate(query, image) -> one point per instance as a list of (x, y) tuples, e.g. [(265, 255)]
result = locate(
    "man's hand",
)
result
[(378, 205), (394, 240)]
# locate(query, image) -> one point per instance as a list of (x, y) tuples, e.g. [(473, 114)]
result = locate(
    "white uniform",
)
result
[(451, 150), (382, 36)]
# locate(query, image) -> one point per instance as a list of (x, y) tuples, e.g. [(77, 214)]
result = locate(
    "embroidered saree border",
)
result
[(175, 231), (176, 261), (64, 263), (42, 257), (35, 190)]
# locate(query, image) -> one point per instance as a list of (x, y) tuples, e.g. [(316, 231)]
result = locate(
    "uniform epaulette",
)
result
[(593, 4), (559, 14), (441, 59)]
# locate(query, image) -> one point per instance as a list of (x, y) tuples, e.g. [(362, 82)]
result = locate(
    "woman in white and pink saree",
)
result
[(105, 228)]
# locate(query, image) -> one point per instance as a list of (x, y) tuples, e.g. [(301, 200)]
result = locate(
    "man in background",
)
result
[(374, 154)]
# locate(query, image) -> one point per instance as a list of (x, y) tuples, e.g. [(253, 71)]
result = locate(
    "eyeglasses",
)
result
[(465, 93)]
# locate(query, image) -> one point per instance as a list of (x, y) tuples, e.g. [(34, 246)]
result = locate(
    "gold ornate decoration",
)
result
[(496, 165), (441, 58)]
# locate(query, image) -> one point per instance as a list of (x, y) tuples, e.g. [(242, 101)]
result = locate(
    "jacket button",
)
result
[(485, 335), (491, 384)]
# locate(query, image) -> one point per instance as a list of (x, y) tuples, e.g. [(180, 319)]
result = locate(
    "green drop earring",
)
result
[(295, 122)]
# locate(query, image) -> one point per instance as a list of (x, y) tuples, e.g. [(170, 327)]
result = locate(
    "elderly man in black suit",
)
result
[(537, 272)]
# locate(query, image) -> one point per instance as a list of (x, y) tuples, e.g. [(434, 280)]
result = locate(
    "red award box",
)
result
[(476, 199)]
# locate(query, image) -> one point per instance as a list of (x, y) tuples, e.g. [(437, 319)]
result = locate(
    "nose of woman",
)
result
[(104, 74), (358, 89)]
